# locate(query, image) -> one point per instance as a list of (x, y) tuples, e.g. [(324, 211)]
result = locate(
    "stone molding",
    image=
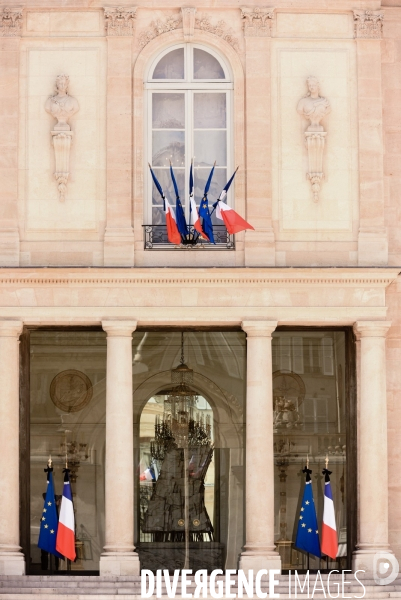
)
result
[(11, 21), (368, 24), (158, 27), (188, 22), (116, 328), (220, 29), (380, 279), (257, 21), (11, 328), (119, 20), (371, 328), (259, 329)]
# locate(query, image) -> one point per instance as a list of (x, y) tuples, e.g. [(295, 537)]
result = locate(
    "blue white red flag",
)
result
[(193, 211), (65, 543), (179, 211), (172, 230), (207, 226), (49, 519), (308, 533), (148, 474), (329, 528), (232, 220)]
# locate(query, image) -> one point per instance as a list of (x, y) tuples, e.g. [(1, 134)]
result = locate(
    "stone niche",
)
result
[(85, 201), (297, 216)]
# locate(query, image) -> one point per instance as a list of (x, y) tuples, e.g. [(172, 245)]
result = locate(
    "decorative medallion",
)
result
[(196, 522), (71, 390), (181, 522)]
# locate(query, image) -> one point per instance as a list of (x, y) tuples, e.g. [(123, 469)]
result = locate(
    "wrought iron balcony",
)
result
[(156, 239)]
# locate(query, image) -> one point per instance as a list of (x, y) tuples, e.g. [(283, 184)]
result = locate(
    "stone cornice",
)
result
[(193, 277)]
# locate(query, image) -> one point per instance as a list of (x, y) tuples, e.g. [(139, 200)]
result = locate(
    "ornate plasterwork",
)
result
[(219, 29), (119, 20), (368, 24), (257, 21), (188, 22), (158, 27), (10, 22)]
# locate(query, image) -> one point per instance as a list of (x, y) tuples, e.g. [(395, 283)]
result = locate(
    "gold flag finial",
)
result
[(307, 461), (50, 462), (327, 461)]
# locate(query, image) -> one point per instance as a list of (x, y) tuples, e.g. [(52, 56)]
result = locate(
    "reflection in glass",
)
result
[(206, 66), (171, 66), (310, 404), (163, 175), (168, 111), (168, 146), (67, 415), (210, 146), (215, 475), (218, 182), (210, 110)]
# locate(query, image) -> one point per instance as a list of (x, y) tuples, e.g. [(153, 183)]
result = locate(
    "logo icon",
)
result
[(385, 568)]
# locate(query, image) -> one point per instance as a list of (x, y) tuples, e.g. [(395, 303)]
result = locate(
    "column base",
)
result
[(119, 563), (12, 563), (118, 247), (367, 559), (259, 561)]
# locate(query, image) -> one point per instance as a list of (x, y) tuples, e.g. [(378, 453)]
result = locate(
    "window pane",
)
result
[(210, 111), (171, 66), (310, 400), (163, 175), (210, 146), (218, 182), (168, 111), (168, 145), (158, 217), (206, 66)]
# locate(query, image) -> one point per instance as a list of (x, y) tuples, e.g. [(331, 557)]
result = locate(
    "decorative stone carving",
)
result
[(314, 108), (219, 29), (10, 22), (188, 22), (257, 21), (119, 20), (62, 107), (157, 28), (368, 24)]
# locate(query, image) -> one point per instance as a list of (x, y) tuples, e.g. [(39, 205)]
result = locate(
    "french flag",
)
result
[(232, 220), (65, 542), (193, 211), (329, 543), (172, 230), (148, 475)]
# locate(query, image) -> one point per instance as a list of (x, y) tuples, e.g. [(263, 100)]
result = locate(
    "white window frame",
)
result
[(188, 86)]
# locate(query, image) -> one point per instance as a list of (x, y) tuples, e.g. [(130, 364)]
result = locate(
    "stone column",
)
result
[(372, 444), (11, 558), (119, 234), (260, 249), (119, 556), (10, 32), (372, 236), (259, 550)]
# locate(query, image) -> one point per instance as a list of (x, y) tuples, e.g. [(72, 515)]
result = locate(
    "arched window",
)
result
[(189, 117)]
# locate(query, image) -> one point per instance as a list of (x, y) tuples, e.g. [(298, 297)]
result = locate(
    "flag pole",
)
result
[(307, 466)]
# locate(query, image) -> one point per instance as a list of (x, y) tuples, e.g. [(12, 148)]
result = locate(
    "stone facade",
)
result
[(275, 275)]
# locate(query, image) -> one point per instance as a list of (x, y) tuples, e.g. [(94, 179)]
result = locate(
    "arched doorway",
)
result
[(213, 468)]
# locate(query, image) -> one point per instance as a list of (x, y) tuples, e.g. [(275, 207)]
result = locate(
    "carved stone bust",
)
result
[(62, 106), (313, 107)]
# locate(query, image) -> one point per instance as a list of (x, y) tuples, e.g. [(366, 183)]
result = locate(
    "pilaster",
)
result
[(372, 237), (10, 33), (119, 234), (259, 244)]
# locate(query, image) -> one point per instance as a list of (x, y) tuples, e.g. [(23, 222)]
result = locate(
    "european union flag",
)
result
[(204, 212), (49, 520), (308, 532)]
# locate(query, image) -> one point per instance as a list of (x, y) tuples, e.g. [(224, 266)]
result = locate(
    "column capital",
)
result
[(119, 20), (258, 328), (371, 328), (115, 328), (11, 328)]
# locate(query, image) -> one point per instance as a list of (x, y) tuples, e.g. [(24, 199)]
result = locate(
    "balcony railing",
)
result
[(156, 239)]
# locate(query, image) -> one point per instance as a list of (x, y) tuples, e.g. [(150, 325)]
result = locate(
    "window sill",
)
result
[(155, 238)]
